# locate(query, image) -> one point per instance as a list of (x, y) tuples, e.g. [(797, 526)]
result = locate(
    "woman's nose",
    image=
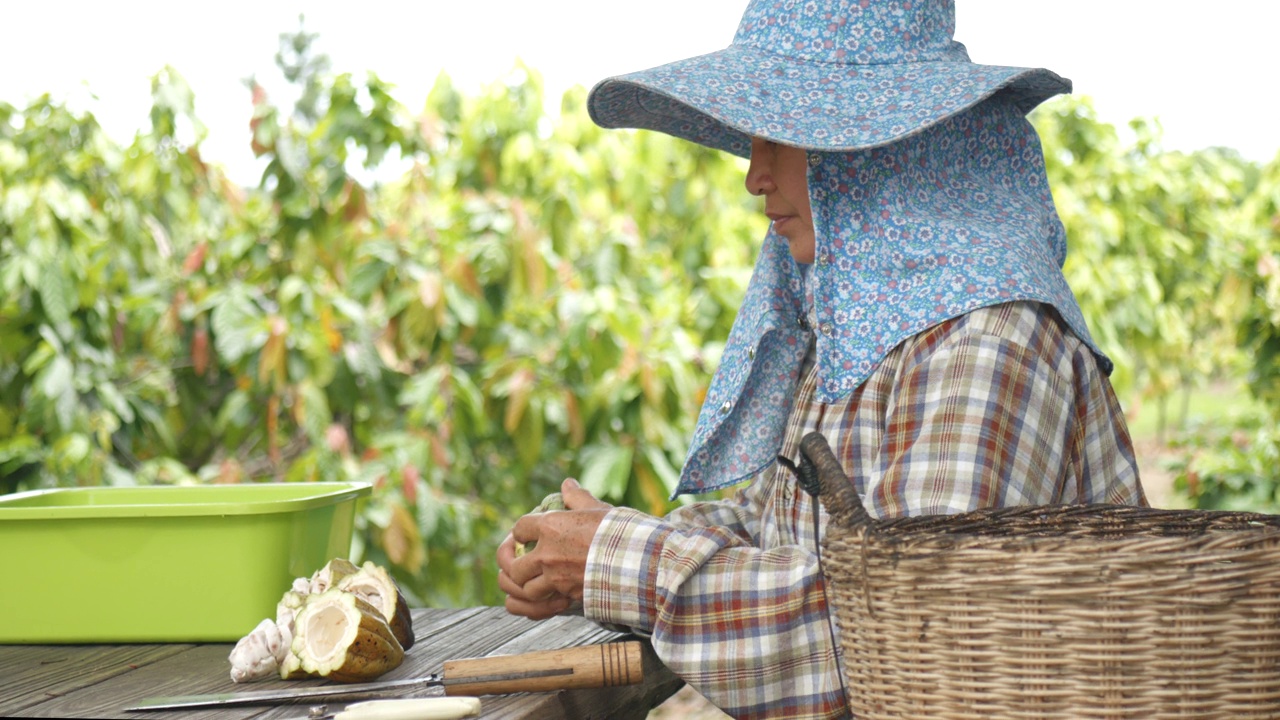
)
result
[(760, 170)]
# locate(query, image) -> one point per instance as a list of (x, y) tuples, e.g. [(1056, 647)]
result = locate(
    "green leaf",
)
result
[(606, 469), (56, 384), (18, 451), (291, 288), (238, 328), (44, 353), (115, 402), (235, 412), (463, 306), (316, 416), (58, 296), (367, 277), (665, 471)]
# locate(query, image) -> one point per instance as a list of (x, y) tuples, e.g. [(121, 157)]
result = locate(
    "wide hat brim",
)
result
[(723, 98)]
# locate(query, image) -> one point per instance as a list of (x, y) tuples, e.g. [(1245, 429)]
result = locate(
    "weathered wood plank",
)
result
[(38, 673), (204, 669), (101, 681), (199, 669)]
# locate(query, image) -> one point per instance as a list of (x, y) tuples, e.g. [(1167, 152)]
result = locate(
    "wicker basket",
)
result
[(1074, 611)]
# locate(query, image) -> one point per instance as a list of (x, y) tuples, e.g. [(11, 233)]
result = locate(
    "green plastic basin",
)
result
[(162, 564)]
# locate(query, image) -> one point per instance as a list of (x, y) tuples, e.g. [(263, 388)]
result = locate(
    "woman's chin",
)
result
[(801, 250)]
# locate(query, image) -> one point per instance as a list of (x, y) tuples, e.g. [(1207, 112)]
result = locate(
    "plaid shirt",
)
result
[(998, 407)]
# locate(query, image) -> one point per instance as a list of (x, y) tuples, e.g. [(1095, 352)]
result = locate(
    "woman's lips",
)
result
[(780, 221)]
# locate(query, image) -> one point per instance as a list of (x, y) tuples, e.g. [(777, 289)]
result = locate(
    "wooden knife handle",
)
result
[(617, 663)]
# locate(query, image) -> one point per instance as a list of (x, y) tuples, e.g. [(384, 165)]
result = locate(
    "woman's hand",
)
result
[(548, 579)]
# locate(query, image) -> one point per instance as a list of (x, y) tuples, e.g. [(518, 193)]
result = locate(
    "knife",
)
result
[(606, 665), (431, 708)]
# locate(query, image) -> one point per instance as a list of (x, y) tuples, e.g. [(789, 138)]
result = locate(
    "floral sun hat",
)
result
[(819, 74), (927, 185)]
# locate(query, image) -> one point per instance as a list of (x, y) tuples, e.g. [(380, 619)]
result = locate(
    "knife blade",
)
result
[(609, 664)]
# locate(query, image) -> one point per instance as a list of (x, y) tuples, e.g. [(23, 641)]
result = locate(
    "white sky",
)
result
[(1211, 78)]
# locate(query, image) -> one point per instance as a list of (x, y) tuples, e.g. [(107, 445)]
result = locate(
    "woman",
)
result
[(908, 303)]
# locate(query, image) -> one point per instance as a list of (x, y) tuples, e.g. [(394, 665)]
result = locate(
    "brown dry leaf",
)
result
[(200, 351), (402, 540), (439, 453), (409, 479), (229, 472), (195, 259), (354, 206), (173, 316)]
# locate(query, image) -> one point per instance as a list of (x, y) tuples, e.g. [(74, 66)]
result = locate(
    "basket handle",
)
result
[(820, 468)]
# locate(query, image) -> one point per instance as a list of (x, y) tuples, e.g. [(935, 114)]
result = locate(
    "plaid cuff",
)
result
[(622, 570)]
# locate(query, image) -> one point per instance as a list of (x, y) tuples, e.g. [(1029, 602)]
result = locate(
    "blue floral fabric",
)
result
[(952, 219), (825, 75), (926, 181)]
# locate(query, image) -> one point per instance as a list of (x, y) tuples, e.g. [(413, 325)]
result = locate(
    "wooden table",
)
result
[(100, 681)]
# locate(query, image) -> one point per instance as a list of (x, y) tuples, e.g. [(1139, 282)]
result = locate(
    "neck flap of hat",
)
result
[(953, 219)]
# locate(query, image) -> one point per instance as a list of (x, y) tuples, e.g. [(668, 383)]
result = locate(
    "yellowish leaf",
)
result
[(430, 289), (385, 345), (271, 361), (332, 337), (402, 541), (518, 399), (651, 488), (577, 431), (630, 362), (649, 384)]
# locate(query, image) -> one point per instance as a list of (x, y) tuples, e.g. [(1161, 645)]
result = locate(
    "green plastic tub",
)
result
[(162, 564)]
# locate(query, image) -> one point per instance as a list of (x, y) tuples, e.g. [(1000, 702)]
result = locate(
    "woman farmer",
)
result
[(908, 303)]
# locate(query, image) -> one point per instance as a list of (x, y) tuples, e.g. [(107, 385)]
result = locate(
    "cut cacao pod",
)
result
[(328, 577), (340, 636), (374, 585)]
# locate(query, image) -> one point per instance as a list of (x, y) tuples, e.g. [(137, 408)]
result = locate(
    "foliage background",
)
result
[(465, 304)]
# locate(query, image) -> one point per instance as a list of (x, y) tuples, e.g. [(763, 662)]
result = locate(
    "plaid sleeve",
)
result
[(740, 514), (747, 627), (999, 408)]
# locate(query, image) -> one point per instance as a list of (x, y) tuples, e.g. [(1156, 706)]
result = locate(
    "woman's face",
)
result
[(780, 174)]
